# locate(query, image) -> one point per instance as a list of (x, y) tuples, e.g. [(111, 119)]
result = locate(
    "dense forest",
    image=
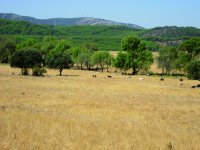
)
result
[(104, 37)]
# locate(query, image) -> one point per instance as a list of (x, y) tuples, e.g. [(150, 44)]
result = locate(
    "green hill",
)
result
[(105, 37)]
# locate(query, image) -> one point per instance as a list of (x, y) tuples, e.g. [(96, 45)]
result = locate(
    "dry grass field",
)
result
[(79, 112)]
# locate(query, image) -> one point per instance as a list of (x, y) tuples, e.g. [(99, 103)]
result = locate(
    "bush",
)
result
[(39, 71), (25, 59), (193, 70)]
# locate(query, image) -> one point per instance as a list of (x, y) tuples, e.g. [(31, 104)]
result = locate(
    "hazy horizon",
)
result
[(147, 14)]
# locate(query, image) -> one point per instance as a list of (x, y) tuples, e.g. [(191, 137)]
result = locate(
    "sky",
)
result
[(146, 13)]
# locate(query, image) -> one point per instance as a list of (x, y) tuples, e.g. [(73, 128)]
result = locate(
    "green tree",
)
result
[(60, 57), (191, 47), (182, 62), (120, 61), (108, 60), (82, 57), (25, 59), (102, 58), (85, 58), (138, 56), (189, 51), (193, 69), (166, 58), (76, 52)]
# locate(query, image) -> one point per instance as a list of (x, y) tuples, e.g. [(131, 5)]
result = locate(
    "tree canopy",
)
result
[(138, 56), (60, 57), (102, 58)]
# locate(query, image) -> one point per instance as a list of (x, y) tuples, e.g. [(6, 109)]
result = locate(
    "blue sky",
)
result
[(146, 13)]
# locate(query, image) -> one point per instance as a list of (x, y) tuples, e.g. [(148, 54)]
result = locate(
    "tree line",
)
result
[(59, 54), (185, 58)]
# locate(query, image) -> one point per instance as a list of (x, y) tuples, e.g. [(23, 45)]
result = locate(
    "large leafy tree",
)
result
[(25, 59), (188, 51), (60, 57), (138, 56), (191, 47)]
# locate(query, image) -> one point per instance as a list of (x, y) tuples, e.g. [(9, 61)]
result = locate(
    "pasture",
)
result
[(79, 112)]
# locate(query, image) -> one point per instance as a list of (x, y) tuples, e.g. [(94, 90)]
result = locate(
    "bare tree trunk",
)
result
[(134, 72), (107, 68), (60, 70)]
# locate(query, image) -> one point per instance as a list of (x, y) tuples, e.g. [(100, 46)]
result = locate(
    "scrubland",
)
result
[(79, 112)]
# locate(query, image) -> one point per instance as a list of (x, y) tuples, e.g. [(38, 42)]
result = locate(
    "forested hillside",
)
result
[(8, 27), (170, 33), (104, 37)]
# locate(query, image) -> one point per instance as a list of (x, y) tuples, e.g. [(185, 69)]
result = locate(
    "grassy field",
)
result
[(79, 112)]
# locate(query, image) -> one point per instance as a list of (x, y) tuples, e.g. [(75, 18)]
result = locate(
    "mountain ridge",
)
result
[(67, 21)]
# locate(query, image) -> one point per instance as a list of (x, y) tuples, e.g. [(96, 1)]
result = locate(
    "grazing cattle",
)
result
[(198, 86), (181, 79), (162, 79), (94, 76), (193, 87), (109, 76), (140, 79)]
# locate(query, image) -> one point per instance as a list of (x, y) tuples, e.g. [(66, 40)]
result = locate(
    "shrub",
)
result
[(25, 59), (39, 71)]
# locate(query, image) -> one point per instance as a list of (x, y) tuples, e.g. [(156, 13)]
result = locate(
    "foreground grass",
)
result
[(77, 111)]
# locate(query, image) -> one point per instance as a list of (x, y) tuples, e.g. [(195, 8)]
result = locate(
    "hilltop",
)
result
[(67, 21), (105, 37)]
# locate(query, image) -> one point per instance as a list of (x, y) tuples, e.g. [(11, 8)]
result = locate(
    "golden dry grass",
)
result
[(79, 112)]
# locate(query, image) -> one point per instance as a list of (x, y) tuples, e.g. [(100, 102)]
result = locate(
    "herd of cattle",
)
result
[(161, 79)]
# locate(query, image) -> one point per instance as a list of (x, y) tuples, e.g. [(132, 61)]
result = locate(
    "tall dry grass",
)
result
[(77, 111)]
